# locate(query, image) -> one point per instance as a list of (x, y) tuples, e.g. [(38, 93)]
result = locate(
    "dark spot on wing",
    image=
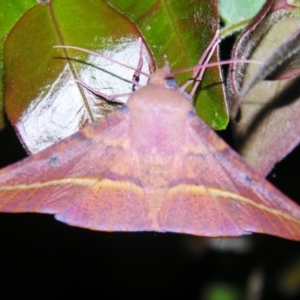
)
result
[(248, 179), (54, 161)]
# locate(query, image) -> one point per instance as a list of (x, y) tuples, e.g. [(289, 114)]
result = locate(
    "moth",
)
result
[(151, 165)]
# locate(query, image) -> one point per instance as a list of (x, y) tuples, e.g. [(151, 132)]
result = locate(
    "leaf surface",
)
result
[(179, 32), (237, 14), (268, 105), (42, 99)]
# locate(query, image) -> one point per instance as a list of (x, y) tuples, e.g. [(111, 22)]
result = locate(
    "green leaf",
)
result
[(10, 12), (40, 88), (42, 99), (179, 32), (236, 14)]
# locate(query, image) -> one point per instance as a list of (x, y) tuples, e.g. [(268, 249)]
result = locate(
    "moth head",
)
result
[(163, 78)]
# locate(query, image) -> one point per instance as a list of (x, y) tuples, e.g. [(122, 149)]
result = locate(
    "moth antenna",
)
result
[(168, 70), (200, 68), (218, 63), (102, 56)]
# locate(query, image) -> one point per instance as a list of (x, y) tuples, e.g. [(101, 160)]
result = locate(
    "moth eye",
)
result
[(124, 109), (171, 83)]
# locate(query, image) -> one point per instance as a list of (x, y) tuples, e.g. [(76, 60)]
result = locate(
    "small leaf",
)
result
[(237, 14)]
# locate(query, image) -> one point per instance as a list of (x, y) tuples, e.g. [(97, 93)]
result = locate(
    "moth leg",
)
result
[(199, 71), (138, 70), (135, 79), (98, 93)]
